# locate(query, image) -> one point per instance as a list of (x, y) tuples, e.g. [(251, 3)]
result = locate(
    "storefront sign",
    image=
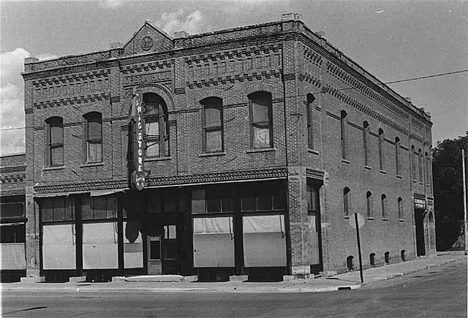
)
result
[(138, 176), (420, 203), (147, 78)]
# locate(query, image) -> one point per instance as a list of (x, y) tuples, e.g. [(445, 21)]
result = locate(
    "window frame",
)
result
[(383, 199), (310, 121), (343, 134), (346, 201), (398, 156), (369, 205), (160, 117), (260, 95), (381, 149), (212, 103), (365, 137), (55, 122), (95, 117)]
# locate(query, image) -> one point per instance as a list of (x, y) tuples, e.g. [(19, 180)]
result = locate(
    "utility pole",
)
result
[(465, 203)]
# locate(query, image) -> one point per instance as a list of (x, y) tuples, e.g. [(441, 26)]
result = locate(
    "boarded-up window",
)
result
[(213, 242), (264, 241), (59, 246), (100, 245), (261, 120)]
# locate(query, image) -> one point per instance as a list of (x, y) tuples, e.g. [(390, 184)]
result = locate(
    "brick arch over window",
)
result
[(164, 92)]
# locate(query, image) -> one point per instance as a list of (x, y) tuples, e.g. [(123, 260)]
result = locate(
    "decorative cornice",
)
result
[(14, 192), (315, 174), (228, 176), (13, 169), (9, 178), (231, 79)]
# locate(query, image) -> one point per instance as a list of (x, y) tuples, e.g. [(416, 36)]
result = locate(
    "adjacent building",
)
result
[(237, 152)]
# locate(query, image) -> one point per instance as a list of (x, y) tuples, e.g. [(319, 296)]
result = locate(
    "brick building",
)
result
[(241, 151)]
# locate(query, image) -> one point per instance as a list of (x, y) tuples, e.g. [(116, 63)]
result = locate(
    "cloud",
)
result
[(178, 21), (111, 4), (11, 101)]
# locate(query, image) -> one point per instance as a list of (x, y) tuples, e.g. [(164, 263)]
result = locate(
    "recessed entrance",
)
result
[(163, 250), (419, 220)]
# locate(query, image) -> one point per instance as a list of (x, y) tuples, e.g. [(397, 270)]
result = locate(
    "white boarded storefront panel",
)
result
[(213, 242), (59, 246), (133, 250), (100, 246), (13, 256), (264, 241)]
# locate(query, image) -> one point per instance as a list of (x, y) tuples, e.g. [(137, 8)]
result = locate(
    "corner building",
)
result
[(237, 152)]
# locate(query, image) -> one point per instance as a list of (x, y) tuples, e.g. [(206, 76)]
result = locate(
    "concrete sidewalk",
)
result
[(350, 280)]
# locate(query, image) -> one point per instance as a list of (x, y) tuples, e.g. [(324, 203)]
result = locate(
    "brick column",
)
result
[(297, 207)]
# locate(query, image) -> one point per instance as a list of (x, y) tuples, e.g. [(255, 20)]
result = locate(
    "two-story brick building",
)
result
[(241, 151)]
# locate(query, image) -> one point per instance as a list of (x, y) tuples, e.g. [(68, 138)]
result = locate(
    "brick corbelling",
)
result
[(9, 178), (12, 169), (85, 99), (14, 192), (148, 66), (234, 79)]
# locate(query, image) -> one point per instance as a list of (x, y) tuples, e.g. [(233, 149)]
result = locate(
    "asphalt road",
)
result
[(439, 292)]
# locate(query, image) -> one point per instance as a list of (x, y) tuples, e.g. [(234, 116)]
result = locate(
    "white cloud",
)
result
[(11, 101), (178, 21), (111, 4)]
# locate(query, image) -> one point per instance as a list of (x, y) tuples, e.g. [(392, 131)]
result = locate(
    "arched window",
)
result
[(381, 150), (384, 206), (365, 137), (420, 164), (397, 156), (156, 126), (55, 148), (400, 208), (310, 118), (212, 124), (369, 207), (261, 120), (93, 137), (346, 201), (343, 131)]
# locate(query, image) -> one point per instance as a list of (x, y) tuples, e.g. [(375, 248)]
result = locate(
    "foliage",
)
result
[(448, 190)]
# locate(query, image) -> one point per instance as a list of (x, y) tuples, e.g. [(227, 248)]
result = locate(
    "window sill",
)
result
[(371, 217), (345, 161), (384, 219), (315, 152), (88, 165), (212, 154), (261, 150), (383, 171), (53, 168), (420, 183), (399, 176), (347, 216), (158, 159), (401, 220), (368, 167)]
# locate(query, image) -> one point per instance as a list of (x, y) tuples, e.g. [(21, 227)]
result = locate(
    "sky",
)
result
[(392, 40)]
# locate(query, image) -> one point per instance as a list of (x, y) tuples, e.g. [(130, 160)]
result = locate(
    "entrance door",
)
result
[(170, 250), (419, 219), (154, 255)]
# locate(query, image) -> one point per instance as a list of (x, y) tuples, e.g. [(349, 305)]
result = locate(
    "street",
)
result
[(436, 292)]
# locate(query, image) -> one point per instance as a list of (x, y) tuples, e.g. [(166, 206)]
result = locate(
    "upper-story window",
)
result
[(383, 200), (428, 169), (310, 123), (213, 124), (413, 162), (156, 126), (400, 208), (261, 120), (420, 164), (397, 156), (369, 204), (381, 150), (55, 152), (93, 137), (365, 137), (346, 201), (343, 133)]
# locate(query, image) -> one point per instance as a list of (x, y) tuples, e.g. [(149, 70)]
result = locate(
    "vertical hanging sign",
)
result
[(138, 175)]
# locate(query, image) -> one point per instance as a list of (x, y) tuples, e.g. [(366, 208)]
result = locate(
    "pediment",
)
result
[(148, 39)]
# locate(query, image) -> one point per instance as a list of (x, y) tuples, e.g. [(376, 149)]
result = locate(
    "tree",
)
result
[(448, 190)]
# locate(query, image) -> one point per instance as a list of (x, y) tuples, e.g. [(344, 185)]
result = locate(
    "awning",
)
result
[(100, 193), (58, 194)]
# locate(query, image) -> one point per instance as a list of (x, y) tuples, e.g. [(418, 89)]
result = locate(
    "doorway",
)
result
[(419, 220), (163, 251)]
